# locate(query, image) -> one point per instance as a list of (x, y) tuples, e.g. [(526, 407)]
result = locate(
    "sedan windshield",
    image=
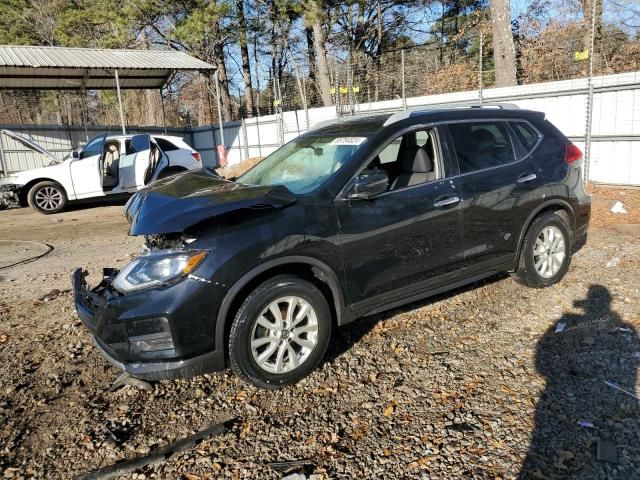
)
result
[(303, 164)]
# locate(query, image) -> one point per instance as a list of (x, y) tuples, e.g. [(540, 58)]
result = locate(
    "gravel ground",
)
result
[(472, 384)]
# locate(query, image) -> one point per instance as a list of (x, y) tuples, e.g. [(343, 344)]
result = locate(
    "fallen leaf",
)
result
[(389, 410)]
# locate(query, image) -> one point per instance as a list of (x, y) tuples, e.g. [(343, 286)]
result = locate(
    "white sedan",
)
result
[(105, 166)]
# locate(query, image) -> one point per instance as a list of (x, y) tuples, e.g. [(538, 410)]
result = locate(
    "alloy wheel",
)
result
[(284, 335), (48, 198), (549, 251)]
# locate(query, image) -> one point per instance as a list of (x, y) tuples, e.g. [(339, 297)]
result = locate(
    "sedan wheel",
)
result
[(47, 197)]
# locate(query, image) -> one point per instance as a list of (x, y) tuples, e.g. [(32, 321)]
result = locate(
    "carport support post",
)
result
[(219, 105), (124, 130), (164, 124), (3, 164)]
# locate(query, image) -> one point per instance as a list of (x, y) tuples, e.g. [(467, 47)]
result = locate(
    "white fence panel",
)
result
[(615, 129)]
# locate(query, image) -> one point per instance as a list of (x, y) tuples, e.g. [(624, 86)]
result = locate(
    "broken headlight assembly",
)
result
[(157, 268)]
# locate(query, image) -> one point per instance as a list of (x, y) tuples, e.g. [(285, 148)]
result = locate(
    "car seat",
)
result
[(417, 168)]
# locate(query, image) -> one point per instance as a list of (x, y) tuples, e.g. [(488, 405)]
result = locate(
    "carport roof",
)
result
[(34, 67)]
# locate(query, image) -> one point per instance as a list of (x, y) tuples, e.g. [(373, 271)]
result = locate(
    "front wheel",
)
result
[(47, 197), (545, 253), (280, 333)]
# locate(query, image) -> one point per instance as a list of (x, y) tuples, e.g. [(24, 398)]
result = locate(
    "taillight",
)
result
[(198, 158), (573, 154)]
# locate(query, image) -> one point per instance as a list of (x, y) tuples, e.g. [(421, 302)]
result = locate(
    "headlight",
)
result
[(157, 268)]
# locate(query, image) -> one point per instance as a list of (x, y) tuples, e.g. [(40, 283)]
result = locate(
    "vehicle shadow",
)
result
[(585, 428), (100, 202), (345, 337)]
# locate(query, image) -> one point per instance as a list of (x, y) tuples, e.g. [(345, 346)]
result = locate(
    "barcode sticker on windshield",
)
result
[(348, 140)]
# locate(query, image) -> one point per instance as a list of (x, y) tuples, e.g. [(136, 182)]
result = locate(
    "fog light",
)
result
[(150, 335), (152, 342)]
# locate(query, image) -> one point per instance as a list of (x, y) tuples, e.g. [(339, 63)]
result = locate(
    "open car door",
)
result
[(86, 173), (158, 161), (135, 161)]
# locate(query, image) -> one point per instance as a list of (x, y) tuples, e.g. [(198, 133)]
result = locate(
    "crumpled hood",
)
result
[(175, 203), (27, 142)]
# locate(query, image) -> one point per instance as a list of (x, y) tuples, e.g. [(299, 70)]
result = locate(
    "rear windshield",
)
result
[(303, 164)]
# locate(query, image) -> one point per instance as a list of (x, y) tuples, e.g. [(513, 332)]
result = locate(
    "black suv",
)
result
[(352, 218)]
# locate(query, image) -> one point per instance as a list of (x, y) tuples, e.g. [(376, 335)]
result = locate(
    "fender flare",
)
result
[(546, 204), (320, 269)]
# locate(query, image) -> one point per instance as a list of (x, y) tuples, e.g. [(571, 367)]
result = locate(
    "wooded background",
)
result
[(282, 55)]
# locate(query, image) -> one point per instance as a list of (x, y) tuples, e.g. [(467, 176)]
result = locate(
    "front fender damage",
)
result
[(9, 196), (172, 205)]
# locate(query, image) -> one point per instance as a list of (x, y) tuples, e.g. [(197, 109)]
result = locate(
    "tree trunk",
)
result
[(504, 53), (244, 51), (324, 82), (150, 98), (218, 59), (310, 53)]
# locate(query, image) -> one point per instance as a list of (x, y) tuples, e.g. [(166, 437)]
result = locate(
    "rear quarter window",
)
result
[(526, 135), (166, 145)]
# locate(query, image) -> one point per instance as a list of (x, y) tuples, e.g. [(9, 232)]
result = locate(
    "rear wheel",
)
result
[(47, 197), (546, 252), (280, 333)]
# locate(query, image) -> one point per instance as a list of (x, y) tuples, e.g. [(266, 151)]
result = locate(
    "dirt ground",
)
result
[(482, 382)]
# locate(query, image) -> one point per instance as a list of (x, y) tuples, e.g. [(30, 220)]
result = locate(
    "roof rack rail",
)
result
[(403, 115)]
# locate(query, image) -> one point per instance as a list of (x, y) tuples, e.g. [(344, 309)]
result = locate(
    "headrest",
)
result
[(483, 139), (416, 160)]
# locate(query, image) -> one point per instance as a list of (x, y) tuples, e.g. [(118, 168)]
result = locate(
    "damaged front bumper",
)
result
[(9, 195), (152, 334)]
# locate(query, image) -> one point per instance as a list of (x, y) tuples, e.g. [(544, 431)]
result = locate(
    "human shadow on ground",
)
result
[(578, 414)]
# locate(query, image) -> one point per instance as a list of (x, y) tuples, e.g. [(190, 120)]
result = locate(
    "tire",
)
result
[(47, 197), (246, 327), (538, 247)]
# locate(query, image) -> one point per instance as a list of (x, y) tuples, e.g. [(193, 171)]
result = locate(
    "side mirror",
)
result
[(75, 154), (369, 184)]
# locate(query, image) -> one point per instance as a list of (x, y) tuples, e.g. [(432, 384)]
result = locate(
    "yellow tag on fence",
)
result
[(344, 90), (583, 55)]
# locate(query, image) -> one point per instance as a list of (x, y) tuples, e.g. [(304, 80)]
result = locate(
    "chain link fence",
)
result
[(290, 96)]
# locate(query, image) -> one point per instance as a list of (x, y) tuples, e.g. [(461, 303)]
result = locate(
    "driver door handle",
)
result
[(527, 177), (445, 202)]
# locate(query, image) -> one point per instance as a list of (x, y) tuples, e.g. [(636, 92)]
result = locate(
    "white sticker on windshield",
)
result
[(348, 141)]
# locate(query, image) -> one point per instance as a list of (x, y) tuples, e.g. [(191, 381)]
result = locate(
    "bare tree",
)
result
[(244, 52), (504, 54), (314, 16)]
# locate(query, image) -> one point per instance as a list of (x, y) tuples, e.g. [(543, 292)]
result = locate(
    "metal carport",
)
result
[(62, 68)]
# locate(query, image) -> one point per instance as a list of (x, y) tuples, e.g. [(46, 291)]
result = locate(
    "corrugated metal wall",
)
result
[(615, 129)]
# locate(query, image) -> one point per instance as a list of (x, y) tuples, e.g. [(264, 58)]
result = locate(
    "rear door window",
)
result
[(480, 145)]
